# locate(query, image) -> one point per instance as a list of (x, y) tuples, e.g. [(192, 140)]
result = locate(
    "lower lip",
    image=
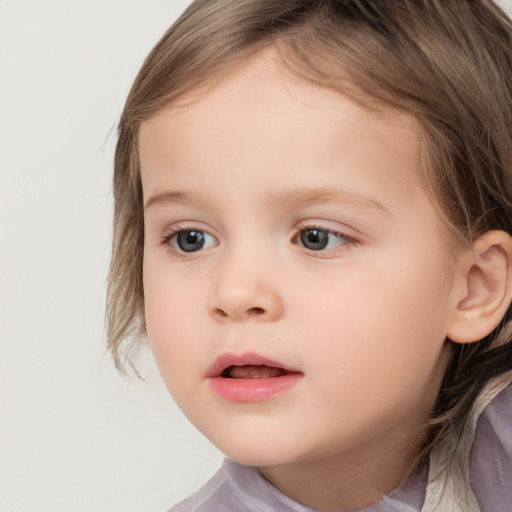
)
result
[(253, 390)]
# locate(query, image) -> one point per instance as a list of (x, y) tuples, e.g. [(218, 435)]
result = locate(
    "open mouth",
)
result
[(250, 371), (250, 377)]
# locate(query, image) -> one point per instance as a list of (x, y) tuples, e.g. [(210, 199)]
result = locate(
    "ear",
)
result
[(484, 290)]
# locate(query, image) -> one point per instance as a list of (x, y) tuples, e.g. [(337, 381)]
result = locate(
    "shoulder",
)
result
[(491, 456), (481, 463)]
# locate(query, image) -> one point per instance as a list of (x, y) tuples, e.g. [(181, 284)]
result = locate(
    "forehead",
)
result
[(265, 79), (264, 121)]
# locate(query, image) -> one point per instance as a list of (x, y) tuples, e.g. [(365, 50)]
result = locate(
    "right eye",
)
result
[(190, 240)]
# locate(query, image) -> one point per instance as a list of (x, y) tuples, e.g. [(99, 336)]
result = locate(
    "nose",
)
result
[(244, 290)]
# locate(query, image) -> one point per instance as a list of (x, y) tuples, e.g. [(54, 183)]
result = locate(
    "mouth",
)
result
[(250, 377), (251, 371), (248, 366)]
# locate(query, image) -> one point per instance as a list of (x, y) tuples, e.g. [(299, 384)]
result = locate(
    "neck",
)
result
[(351, 480)]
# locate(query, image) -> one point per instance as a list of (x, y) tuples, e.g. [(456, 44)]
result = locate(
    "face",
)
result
[(296, 274)]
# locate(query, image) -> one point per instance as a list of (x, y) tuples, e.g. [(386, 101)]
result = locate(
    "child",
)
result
[(312, 227)]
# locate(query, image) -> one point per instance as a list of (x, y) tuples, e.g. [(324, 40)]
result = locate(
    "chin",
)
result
[(250, 455), (251, 452)]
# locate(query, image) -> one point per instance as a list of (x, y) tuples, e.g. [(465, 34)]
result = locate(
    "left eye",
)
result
[(191, 240), (316, 239)]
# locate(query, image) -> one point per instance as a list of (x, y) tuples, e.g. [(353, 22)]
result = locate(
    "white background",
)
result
[(74, 436)]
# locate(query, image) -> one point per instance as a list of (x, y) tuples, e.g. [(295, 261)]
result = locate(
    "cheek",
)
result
[(380, 331), (171, 309)]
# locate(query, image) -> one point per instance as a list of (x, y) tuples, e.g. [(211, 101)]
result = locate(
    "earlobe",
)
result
[(485, 289)]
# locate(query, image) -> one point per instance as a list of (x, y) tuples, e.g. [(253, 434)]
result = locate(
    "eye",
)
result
[(317, 239), (190, 240)]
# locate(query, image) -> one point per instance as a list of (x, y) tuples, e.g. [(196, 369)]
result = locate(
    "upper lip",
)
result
[(248, 358)]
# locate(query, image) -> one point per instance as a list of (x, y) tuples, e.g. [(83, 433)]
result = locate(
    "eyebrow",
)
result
[(167, 198), (287, 199), (311, 197)]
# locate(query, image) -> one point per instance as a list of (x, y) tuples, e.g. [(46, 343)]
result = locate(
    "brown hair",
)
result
[(447, 62)]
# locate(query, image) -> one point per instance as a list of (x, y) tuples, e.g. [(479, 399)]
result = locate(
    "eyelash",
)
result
[(168, 237), (333, 251)]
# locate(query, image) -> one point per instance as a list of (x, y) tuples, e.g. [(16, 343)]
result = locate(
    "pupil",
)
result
[(314, 239), (190, 241)]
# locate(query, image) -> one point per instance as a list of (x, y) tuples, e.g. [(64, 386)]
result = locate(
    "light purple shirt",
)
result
[(238, 488)]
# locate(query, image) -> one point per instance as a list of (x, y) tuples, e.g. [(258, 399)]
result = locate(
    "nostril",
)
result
[(238, 312), (256, 311)]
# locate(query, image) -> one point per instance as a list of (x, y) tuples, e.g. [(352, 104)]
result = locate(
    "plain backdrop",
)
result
[(75, 436)]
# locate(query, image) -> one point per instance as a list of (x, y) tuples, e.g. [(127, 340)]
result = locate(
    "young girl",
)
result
[(312, 227)]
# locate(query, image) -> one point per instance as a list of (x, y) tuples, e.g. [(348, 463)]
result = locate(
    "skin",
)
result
[(364, 321)]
